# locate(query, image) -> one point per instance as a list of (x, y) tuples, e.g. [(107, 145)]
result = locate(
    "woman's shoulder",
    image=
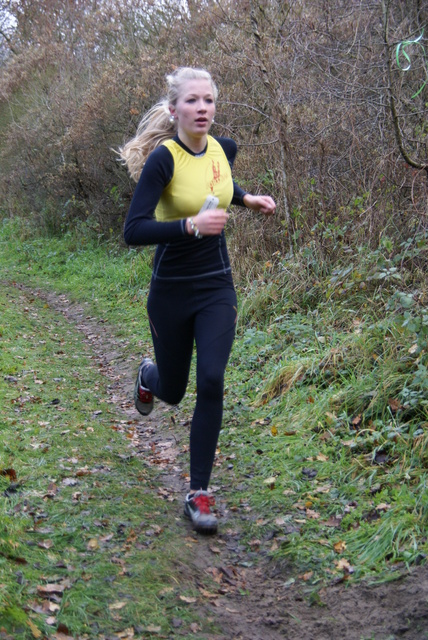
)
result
[(159, 164), (226, 142), (229, 147), (162, 150), (161, 155)]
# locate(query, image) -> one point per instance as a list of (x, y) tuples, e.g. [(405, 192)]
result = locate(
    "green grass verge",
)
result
[(80, 516), (325, 440)]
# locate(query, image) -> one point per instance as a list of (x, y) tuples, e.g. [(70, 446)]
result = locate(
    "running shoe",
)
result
[(197, 508), (143, 397)]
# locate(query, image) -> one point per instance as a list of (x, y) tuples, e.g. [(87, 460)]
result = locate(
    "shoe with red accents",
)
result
[(197, 508), (143, 397)]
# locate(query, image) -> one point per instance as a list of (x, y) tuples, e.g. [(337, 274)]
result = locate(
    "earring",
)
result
[(171, 119), (213, 121)]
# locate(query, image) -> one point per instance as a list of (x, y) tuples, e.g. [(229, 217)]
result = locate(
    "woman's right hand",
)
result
[(210, 222)]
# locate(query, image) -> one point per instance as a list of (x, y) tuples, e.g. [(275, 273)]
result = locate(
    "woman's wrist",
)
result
[(246, 199), (192, 229)]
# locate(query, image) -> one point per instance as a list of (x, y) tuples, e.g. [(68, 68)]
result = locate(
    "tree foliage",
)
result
[(326, 117)]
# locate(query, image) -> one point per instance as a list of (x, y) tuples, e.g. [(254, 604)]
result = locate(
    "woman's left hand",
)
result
[(264, 204)]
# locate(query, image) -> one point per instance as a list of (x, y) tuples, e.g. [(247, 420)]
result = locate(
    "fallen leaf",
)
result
[(52, 490), (215, 549), (330, 418), (261, 421), (195, 627), (323, 489), (333, 522), (394, 404), (69, 482), (340, 546), (48, 589), (126, 634), (344, 565), (45, 544), (188, 599), (34, 630), (107, 537), (9, 473), (216, 573), (93, 544), (307, 576), (62, 628), (313, 515), (322, 458), (117, 605), (270, 482), (208, 594), (383, 506), (46, 607)]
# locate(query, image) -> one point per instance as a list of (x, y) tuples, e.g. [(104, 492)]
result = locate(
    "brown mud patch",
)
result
[(253, 598)]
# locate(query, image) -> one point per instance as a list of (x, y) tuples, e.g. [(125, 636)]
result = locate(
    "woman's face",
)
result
[(195, 108)]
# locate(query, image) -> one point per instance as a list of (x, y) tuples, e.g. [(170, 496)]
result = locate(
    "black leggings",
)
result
[(180, 313)]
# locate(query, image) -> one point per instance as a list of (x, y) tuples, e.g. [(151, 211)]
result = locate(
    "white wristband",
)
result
[(195, 229)]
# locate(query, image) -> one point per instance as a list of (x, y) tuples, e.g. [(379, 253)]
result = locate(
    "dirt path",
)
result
[(255, 599)]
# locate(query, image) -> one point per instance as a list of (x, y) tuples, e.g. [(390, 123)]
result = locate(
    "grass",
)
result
[(324, 447), (77, 509)]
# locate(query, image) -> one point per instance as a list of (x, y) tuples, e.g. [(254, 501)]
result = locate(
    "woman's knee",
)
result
[(210, 384), (172, 396)]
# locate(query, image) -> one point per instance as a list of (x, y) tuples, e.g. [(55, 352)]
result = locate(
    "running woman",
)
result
[(192, 300)]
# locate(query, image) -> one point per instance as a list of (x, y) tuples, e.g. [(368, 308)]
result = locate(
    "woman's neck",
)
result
[(195, 144)]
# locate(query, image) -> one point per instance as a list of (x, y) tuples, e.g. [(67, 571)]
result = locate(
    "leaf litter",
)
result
[(246, 594)]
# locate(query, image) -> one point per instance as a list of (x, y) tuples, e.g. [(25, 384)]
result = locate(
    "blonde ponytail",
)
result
[(154, 128)]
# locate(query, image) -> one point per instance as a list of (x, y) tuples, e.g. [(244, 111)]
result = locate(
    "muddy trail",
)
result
[(255, 598)]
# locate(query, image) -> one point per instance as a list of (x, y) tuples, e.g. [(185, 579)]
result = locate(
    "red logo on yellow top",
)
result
[(216, 173)]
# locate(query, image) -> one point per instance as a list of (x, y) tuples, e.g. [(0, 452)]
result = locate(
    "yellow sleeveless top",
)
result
[(194, 178)]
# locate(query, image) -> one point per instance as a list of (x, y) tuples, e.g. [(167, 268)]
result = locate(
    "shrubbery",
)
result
[(326, 119)]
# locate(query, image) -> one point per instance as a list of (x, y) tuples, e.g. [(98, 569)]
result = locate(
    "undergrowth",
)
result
[(337, 367), (325, 436)]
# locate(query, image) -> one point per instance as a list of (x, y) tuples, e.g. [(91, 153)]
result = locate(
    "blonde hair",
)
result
[(157, 125)]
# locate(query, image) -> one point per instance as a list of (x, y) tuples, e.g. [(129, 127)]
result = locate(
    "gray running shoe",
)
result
[(143, 397), (197, 508)]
